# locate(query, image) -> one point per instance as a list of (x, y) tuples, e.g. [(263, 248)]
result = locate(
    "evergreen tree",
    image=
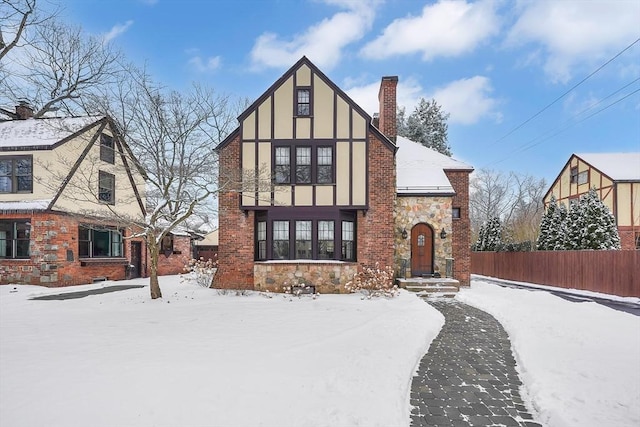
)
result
[(599, 230), (546, 235), (426, 125), (493, 236), (558, 238), (477, 246)]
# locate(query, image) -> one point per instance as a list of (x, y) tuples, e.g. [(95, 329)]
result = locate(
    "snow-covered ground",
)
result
[(579, 362), (196, 358)]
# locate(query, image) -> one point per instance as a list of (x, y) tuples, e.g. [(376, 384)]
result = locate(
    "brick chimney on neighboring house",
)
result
[(24, 111), (387, 97)]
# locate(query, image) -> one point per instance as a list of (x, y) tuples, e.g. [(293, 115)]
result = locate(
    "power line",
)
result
[(540, 139), (567, 92)]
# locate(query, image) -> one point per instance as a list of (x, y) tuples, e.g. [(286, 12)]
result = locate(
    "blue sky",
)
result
[(491, 64)]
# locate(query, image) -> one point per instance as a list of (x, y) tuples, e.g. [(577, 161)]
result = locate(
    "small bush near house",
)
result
[(299, 291), (200, 271), (373, 282)]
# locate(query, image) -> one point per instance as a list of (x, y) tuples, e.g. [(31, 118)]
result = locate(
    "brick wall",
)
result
[(175, 262), (235, 240), (461, 228), (376, 226), (54, 259), (627, 237), (387, 99)]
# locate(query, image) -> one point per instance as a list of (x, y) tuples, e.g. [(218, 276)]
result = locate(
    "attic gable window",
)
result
[(16, 174), (579, 177), (303, 104), (107, 153), (107, 188)]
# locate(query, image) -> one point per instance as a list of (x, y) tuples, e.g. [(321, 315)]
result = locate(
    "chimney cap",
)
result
[(390, 78)]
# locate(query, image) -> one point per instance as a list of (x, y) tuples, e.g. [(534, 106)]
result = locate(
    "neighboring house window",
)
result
[(166, 246), (303, 240), (325, 165), (303, 165), (14, 239), (16, 174), (262, 239), (303, 105), (107, 153), (99, 242), (325, 239), (455, 213), (579, 177), (348, 241), (283, 165), (281, 239), (107, 188)]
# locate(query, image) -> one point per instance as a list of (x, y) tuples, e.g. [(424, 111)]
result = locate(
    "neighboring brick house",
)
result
[(332, 206), (616, 178), (61, 180)]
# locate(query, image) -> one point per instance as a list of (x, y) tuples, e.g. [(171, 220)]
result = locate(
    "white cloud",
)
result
[(467, 100), (575, 33), (204, 65), (322, 43), (446, 28), (117, 30)]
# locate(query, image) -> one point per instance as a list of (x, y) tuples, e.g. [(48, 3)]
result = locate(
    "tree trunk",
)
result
[(154, 286)]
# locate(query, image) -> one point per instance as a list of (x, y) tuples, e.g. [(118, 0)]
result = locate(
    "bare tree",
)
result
[(514, 198), (58, 66)]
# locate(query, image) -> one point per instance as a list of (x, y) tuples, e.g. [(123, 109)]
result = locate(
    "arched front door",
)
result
[(421, 250)]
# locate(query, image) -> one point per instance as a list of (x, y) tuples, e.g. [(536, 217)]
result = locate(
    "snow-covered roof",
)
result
[(41, 132), (618, 166), (30, 205), (420, 170)]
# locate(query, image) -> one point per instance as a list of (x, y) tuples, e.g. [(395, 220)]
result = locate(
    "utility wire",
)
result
[(567, 92), (534, 142)]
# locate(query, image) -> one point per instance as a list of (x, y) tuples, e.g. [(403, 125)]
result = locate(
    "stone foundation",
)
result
[(327, 277)]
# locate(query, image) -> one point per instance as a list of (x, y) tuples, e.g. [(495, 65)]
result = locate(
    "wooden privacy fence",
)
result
[(609, 272)]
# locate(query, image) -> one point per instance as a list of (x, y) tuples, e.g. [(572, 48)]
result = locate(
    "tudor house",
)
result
[(616, 178), (332, 203), (61, 182)]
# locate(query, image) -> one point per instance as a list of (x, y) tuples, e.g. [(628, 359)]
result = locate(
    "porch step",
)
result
[(431, 287)]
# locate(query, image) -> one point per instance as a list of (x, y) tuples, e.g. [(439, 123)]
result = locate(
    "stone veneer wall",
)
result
[(434, 211), (327, 277), (54, 254)]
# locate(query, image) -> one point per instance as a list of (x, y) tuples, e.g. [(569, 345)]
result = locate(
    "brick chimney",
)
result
[(387, 98), (24, 111)]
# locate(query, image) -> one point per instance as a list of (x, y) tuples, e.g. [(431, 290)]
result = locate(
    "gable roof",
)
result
[(316, 71), (420, 170), (617, 166), (39, 134)]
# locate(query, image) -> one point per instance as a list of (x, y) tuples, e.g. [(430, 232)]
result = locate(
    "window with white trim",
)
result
[(14, 239), (16, 174), (106, 188), (107, 153), (100, 242)]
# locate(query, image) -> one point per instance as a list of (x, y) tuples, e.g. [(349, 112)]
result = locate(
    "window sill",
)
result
[(96, 261)]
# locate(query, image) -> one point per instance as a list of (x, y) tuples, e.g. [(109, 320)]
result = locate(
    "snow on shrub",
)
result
[(373, 282), (200, 271)]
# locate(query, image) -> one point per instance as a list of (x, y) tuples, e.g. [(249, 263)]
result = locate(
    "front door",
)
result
[(136, 260), (421, 250)]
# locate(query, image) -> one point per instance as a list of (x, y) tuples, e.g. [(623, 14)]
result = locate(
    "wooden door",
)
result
[(421, 250)]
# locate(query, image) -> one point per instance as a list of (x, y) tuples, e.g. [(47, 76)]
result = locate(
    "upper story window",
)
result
[(455, 213), (14, 239), (303, 165), (107, 153), (99, 242), (579, 177), (325, 165), (310, 165), (16, 174), (106, 188), (283, 165), (303, 102)]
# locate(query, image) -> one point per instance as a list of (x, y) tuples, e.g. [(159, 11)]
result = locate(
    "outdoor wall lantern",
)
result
[(443, 234), (404, 233)]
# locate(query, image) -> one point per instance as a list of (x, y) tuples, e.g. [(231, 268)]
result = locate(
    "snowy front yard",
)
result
[(197, 358)]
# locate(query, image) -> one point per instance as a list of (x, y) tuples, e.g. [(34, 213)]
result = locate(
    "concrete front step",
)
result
[(431, 287)]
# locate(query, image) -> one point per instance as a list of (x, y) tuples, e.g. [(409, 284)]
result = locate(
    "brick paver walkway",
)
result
[(468, 376)]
